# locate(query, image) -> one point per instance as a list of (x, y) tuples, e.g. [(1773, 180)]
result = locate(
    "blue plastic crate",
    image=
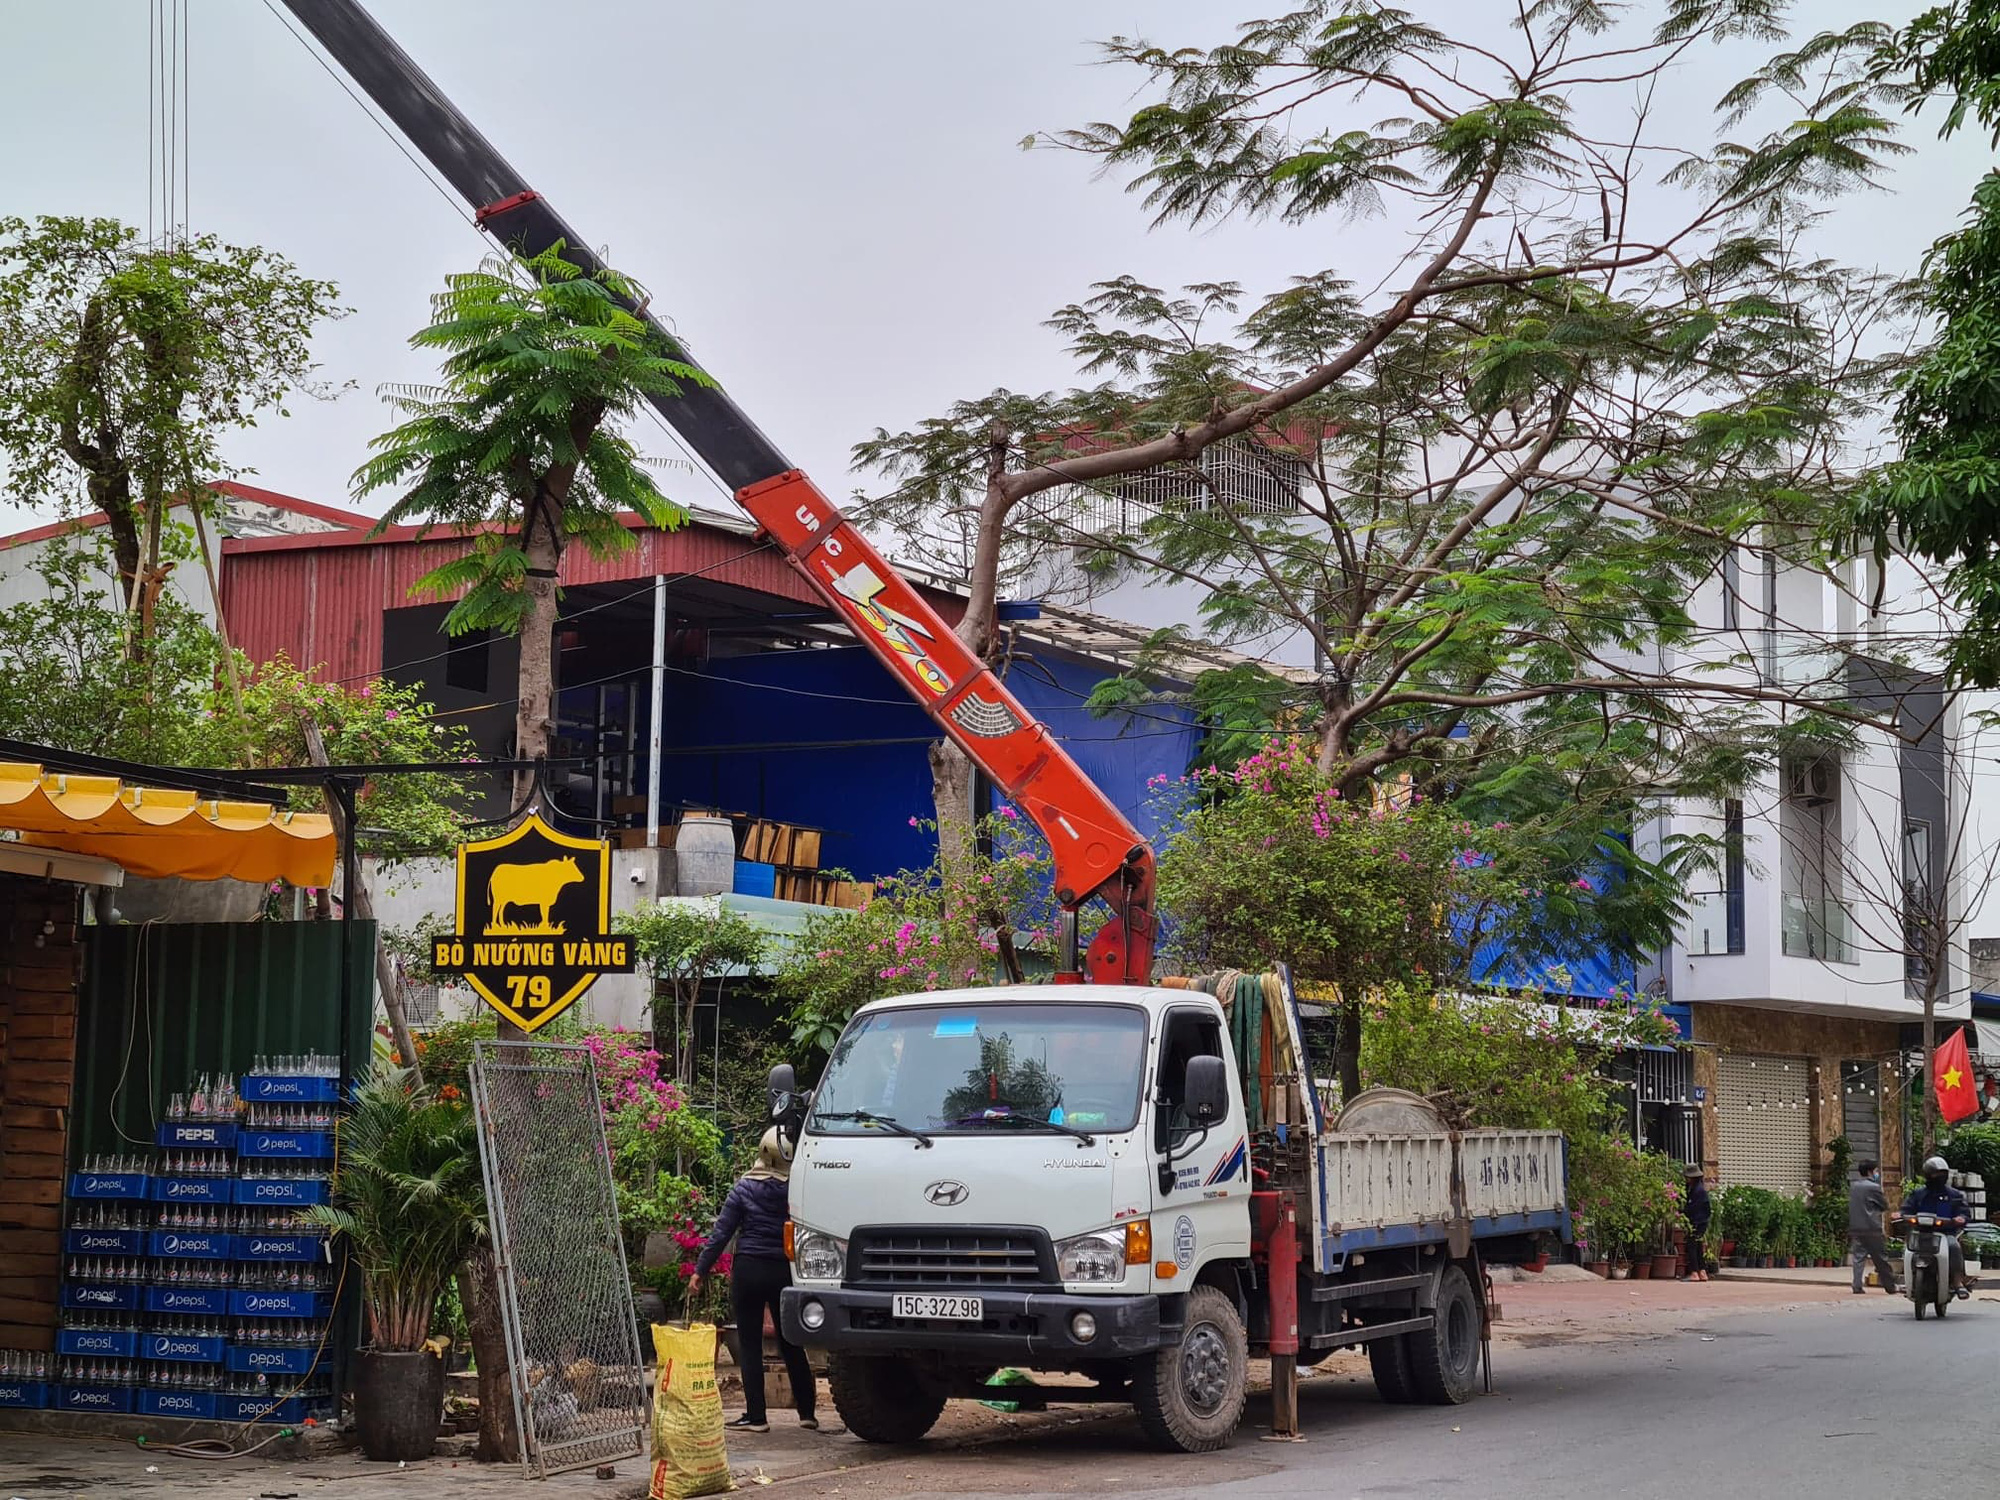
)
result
[(108, 1184), (190, 1244), (93, 1398), (199, 1405), (184, 1347), (105, 1242), (24, 1393), (264, 1359), (254, 1304), (203, 1135), (295, 1145), (751, 878), (101, 1298), (288, 1245), (192, 1189), (264, 1090), (101, 1343), (280, 1192), (188, 1301), (291, 1409)]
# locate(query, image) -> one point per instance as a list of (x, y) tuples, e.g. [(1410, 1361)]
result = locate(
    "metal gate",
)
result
[(565, 1297), (1861, 1108), (1764, 1122)]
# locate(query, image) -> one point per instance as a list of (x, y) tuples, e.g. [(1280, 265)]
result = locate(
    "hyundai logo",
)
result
[(947, 1194)]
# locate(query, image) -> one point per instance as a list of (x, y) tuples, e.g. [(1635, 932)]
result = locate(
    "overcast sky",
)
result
[(828, 199)]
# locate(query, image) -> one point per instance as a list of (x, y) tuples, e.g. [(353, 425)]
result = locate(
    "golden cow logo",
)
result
[(534, 909), (538, 886)]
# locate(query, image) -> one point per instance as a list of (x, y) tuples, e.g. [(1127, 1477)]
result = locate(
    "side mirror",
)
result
[(1205, 1095)]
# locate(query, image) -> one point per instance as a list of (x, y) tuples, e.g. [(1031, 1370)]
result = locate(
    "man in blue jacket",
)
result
[(1939, 1198)]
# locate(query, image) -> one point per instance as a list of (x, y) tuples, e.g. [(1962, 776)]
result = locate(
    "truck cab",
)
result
[(1045, 1177)]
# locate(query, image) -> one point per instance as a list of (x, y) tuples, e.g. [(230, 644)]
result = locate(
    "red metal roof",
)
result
[(320, 598), (346, 519)]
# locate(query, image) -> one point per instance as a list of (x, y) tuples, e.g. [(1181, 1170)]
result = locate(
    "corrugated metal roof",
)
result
[(320, 599)]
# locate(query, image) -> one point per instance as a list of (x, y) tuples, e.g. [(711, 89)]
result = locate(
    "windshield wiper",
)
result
[(1083, 1135), (869, 1117)]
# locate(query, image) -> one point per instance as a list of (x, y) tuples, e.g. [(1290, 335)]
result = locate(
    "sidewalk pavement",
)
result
[(41, 1466), (1793, 1275)]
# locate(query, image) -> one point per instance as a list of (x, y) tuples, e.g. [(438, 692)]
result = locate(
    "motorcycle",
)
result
[(1926, 1262)]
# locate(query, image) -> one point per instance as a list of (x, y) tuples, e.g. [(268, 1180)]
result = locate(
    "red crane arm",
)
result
[(1097, 851)]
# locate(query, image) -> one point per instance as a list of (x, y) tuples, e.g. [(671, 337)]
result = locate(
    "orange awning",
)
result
[(154, 831)]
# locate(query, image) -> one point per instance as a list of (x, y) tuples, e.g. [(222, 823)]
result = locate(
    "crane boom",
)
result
[(1097, 852)]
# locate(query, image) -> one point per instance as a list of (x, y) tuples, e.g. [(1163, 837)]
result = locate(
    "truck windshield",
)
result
[(964, 1068)]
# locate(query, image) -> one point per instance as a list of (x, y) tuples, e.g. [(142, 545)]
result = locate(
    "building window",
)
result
[(1716, 915), (466, 659), (1732, 872), (1919, 920)]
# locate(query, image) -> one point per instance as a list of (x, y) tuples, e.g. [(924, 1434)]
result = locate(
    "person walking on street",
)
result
[(754, 1214), (1697, 1211), (1865, 1208)]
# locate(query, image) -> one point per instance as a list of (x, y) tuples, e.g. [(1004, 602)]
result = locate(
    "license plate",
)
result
[(953, 1309)]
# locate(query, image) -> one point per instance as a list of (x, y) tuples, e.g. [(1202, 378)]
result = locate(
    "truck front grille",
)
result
[(968, 1257)]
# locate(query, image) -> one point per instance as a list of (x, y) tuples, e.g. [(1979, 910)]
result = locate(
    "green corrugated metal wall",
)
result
[(166, 1002)]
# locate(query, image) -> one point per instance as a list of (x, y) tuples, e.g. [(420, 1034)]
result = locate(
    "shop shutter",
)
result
[(1764, 1122), (1861, 1108)]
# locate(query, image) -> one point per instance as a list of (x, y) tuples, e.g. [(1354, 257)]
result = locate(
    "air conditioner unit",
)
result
[(1813, 782)]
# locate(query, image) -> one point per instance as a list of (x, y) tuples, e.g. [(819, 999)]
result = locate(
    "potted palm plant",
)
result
[(408, 1198)]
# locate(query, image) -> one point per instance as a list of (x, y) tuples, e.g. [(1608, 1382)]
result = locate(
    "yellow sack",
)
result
[(688, 1453)]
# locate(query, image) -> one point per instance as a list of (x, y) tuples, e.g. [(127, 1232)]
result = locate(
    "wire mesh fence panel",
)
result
[(565, 1297)]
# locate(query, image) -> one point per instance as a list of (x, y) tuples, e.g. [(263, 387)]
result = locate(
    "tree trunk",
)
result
[(479, 1290), (951, 794), (364, 909), (1348, 1057), (534, 710), (1930, 1064)]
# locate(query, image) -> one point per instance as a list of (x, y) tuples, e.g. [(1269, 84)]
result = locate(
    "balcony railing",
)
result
[(1715, 922), (1818, 927)]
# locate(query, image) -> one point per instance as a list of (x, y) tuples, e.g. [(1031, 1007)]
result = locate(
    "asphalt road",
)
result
[(1845, 1398)]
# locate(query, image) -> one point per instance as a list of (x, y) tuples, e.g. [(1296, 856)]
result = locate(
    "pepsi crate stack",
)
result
[(189, 1289)]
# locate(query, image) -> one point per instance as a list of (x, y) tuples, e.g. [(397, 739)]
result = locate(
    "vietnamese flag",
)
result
[(1951, 1072)]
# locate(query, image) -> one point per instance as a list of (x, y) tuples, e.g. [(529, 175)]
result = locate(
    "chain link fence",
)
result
[(565, 1296)]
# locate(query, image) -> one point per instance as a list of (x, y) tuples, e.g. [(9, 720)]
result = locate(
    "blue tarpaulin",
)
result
[(868, 775)]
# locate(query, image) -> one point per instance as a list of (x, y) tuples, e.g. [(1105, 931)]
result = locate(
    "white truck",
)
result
[(1087, 1179)]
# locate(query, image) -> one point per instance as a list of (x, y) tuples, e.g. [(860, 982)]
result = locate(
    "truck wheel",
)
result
[(1444, 1359), (1389, 1362), (883, 1399), (1190, 1397)]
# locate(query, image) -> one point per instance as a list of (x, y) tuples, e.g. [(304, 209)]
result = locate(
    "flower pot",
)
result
[(1726, 1249), (398, 1403), (1791, 1262), (1739, 1262), (1539, 1263), (1620, 1272), (1600, 1268), (1642, 1269), (1666, 1267)]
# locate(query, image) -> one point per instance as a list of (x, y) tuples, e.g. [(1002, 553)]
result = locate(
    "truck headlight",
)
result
[(1092, 1257), (818, 1257)]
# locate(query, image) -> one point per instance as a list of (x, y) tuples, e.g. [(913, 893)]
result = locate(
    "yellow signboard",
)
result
[(534, 909)]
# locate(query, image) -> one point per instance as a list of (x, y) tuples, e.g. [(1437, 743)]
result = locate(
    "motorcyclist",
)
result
[(1939, 1198)]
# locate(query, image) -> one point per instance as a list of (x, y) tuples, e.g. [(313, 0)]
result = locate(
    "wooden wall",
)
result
[(40, 968)]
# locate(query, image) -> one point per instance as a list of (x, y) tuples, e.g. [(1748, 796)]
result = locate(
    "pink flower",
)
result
[(913, 822)]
